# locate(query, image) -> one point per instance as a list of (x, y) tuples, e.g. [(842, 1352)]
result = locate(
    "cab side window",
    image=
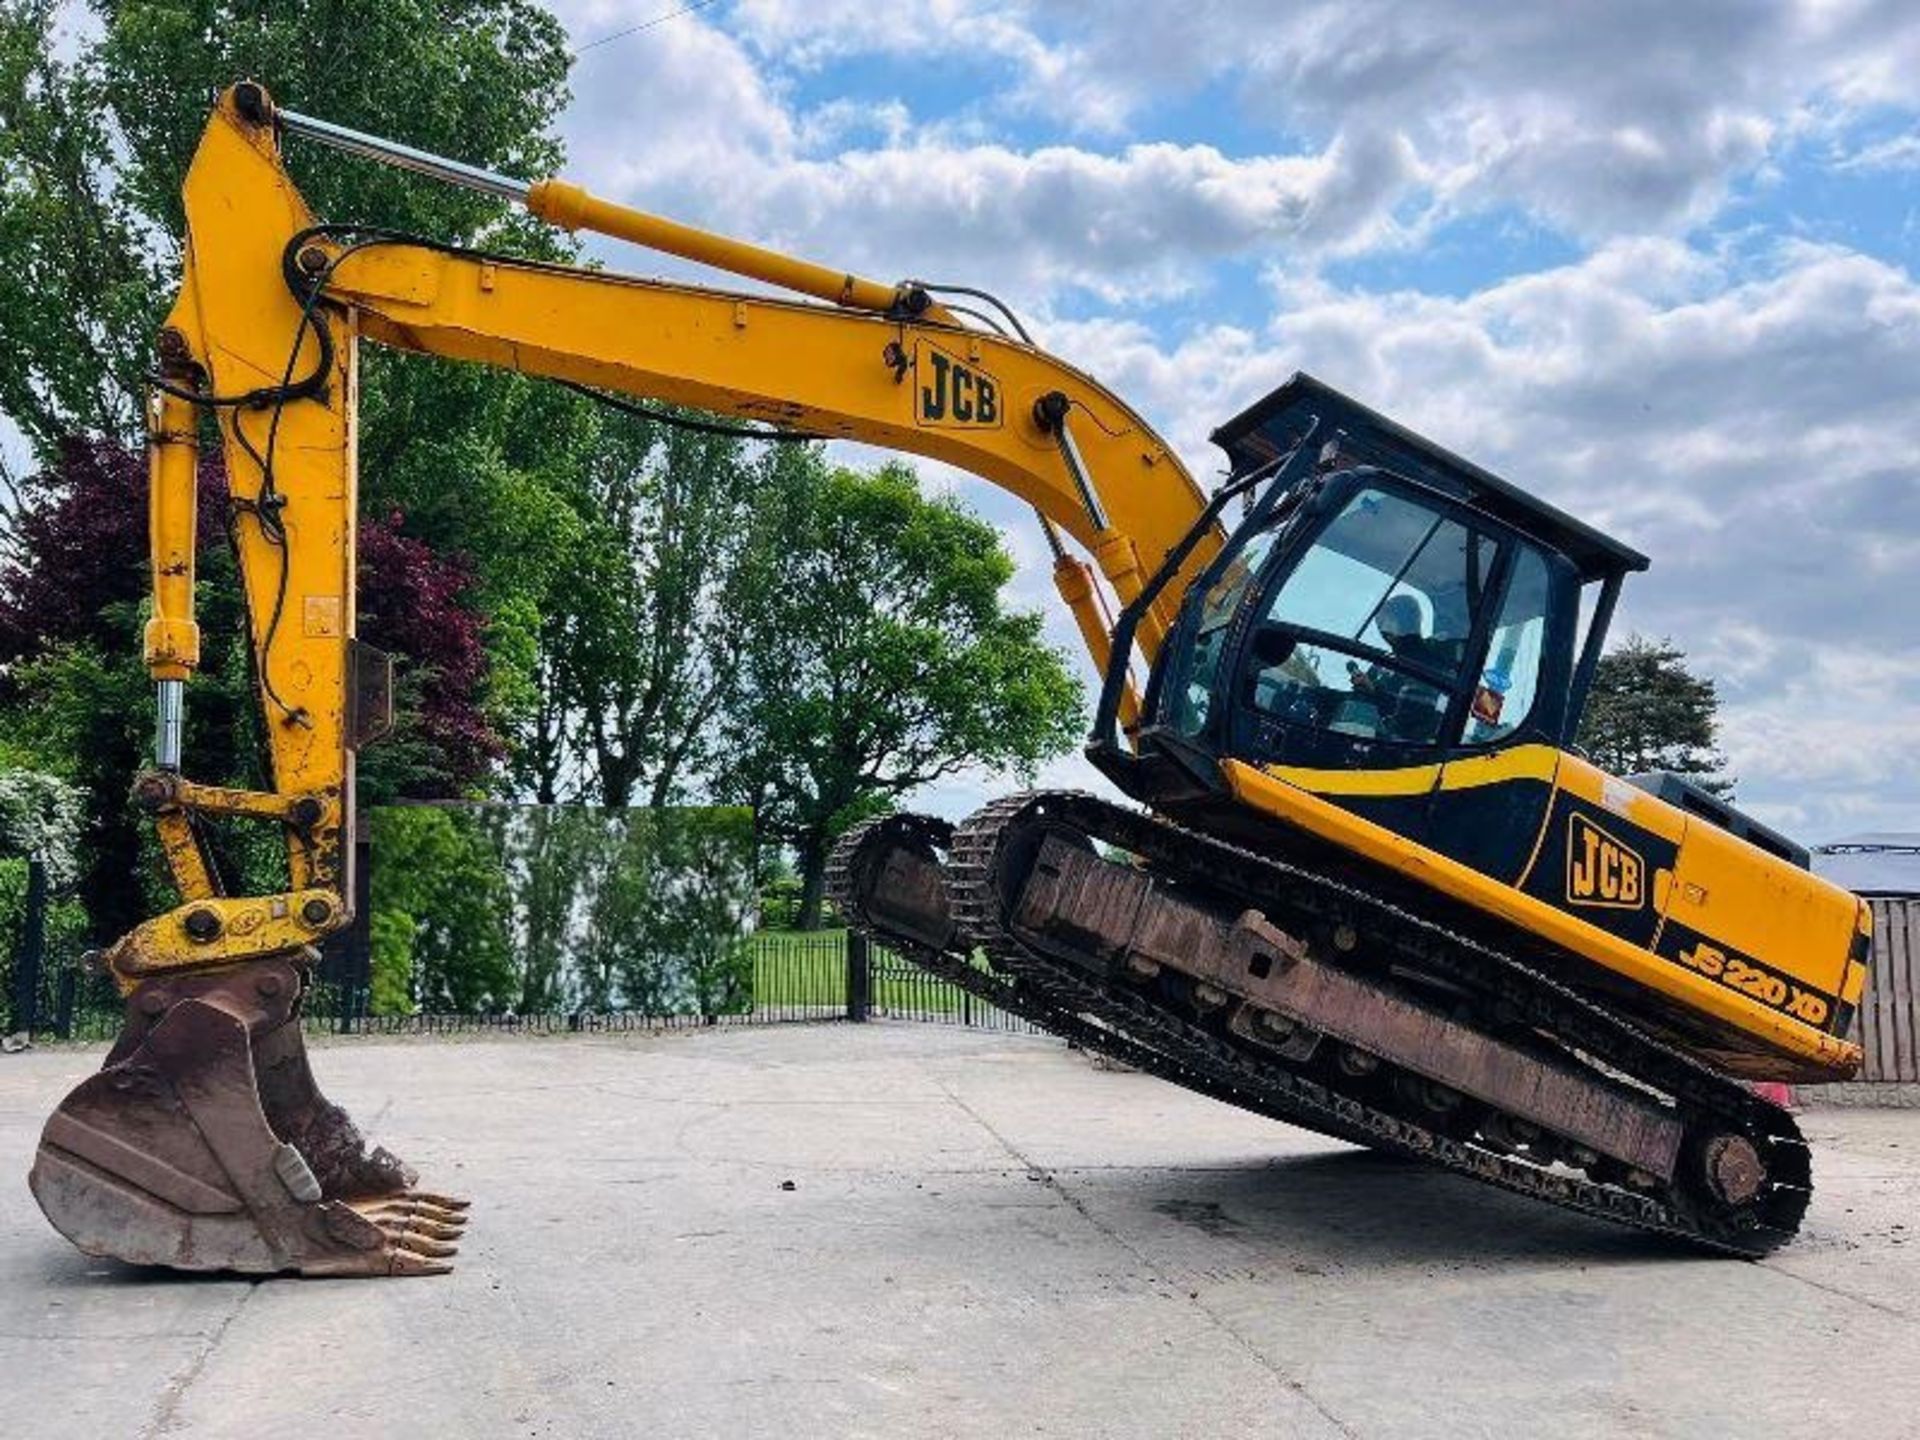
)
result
[(1509, 682)]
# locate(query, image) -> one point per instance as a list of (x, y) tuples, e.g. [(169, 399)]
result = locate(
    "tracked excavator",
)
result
[(1368, 885)]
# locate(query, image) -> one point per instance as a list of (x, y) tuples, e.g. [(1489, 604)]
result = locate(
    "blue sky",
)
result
[(1655, 261)]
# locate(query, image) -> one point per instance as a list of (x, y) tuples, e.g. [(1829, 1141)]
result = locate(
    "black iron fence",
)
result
[(48, 991), (903, 991), (821, 975)]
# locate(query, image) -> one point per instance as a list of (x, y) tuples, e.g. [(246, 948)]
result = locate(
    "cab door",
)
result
[(1496, 785), (1351, 657)]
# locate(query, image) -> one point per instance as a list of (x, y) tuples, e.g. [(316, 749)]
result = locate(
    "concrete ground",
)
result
[(983, 1236)]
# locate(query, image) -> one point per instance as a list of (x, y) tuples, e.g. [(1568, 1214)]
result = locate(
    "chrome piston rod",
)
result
[(169, 703), (392, 152)]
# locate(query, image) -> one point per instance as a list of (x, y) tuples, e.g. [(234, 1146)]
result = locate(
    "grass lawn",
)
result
[(808, 968)]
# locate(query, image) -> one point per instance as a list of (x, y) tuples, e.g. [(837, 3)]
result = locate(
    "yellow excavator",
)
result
[(1370, 887)]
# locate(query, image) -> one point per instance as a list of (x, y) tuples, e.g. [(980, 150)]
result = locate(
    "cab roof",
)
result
[(1272, 426)]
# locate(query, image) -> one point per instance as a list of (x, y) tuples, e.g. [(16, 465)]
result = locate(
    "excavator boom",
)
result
[(271, 309)]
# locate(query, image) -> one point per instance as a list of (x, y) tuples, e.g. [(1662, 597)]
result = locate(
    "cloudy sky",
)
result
[(1655, 261)]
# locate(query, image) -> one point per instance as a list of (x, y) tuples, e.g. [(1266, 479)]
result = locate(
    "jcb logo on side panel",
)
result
[(1600, 870), (951, 393)]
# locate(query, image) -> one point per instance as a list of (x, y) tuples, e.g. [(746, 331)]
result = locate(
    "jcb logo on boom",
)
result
[(1600, 870), (953, 393)]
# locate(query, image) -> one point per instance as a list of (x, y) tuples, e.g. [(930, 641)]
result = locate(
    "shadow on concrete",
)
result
[(60, 1267), (1357, 1207)]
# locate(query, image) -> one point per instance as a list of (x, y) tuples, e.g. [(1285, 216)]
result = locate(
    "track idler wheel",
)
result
[(203, 1143), (886, 872), (1748, 1184), (1732, 1169)]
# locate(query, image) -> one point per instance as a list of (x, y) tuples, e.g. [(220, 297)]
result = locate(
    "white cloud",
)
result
[(1602, 118), (1755, 434), (1748, 422), (1901, 152), (689, 125)]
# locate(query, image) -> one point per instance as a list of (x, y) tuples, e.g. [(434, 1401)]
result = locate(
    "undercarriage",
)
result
[(1296, 993)]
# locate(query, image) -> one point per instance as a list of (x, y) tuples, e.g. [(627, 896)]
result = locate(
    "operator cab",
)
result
[(1384, 605)]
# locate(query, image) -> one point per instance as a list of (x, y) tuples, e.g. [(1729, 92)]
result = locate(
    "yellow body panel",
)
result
[(1748, 902), (1811, 938)]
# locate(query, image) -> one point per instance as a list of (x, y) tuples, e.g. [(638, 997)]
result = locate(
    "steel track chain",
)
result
[(974, 854), (1535, 998), (1198, 1060), (1036, 1006)]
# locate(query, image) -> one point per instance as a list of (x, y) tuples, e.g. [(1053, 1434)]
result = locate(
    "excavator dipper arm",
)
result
[(231, 1158), (273, 306)]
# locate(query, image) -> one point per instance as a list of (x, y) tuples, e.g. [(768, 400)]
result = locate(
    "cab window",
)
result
[(1369, 633), (1193, 696), (1393, 576), (1508, 684)]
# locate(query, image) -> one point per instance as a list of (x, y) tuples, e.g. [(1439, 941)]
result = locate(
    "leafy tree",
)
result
[(66, 936), (94, 150), (619, 960), (1648, 711), (705, 920), (666, 929), (390, 944), (40, 820), (40, 817), (554, 864), (500, 484), (443, 740), (73, 689), (646, 640), (883, 658), (535, 908), (439, 906), (79, 291)]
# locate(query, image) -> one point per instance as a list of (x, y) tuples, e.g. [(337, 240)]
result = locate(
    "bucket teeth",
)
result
[(204, 1144), (420, 1219), (443, 1202), (420, 1245), (405, 1262)]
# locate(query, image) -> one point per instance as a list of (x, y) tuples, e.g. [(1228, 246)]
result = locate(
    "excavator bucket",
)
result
[(203, 1143)]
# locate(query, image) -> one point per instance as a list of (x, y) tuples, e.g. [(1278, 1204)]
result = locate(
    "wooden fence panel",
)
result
[(1888, 1026)]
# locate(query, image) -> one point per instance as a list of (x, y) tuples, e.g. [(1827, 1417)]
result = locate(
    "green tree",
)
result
[(390, 942), (94, 150), (646, 639), (555, 859), (1648, 711), (80, 287), (711, 851), (438, 912), (666, 931), (40, 818), (884, 657), (40, 822)]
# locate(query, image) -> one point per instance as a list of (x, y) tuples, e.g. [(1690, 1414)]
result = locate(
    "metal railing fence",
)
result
[(794, 976)]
